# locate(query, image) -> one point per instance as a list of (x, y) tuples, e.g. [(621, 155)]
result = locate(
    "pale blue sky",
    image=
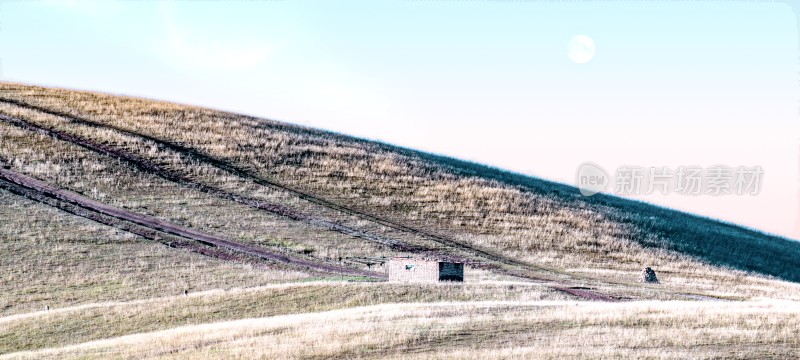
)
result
[(672, 83)]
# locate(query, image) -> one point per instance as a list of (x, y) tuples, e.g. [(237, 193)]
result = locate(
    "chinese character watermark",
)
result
[(717, 180), (629, 180)]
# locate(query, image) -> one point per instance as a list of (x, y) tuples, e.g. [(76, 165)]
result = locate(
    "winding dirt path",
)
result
[(154, 223)]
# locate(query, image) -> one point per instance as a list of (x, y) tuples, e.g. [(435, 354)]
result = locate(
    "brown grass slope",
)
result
[(178, 200), (78, 324), (328, 197), (54, 259), (475, 330), (518, 217)]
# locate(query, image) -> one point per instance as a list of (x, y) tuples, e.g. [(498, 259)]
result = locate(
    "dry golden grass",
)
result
[(74, 325), (363, 175), (478, 330), (105, 179), (538, 225), (111, 293), (54, 259), (120, 184), (523, 219)]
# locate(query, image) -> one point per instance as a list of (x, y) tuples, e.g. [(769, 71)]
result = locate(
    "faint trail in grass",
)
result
[(67, 309), (586, 293)]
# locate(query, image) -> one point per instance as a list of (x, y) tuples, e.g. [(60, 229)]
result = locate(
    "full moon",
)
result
[(581, 49)]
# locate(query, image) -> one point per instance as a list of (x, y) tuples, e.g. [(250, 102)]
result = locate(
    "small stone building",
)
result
[(406, 269)]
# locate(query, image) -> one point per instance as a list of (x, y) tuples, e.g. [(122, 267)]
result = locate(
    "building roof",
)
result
[(426, 258)]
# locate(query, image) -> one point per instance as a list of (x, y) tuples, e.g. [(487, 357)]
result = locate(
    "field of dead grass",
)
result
[(54, 259), (113, 294), (477, 330), (520, 217)]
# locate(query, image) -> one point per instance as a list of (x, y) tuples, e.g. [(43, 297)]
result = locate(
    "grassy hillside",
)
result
[(547, 330), (56, 259), (334, 199), (530, 219)]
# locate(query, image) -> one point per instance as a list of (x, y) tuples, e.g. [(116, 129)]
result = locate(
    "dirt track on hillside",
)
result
[(524, 269), (587, 294), (150, 167), (519, 269), (163, 172), (170, 228)]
